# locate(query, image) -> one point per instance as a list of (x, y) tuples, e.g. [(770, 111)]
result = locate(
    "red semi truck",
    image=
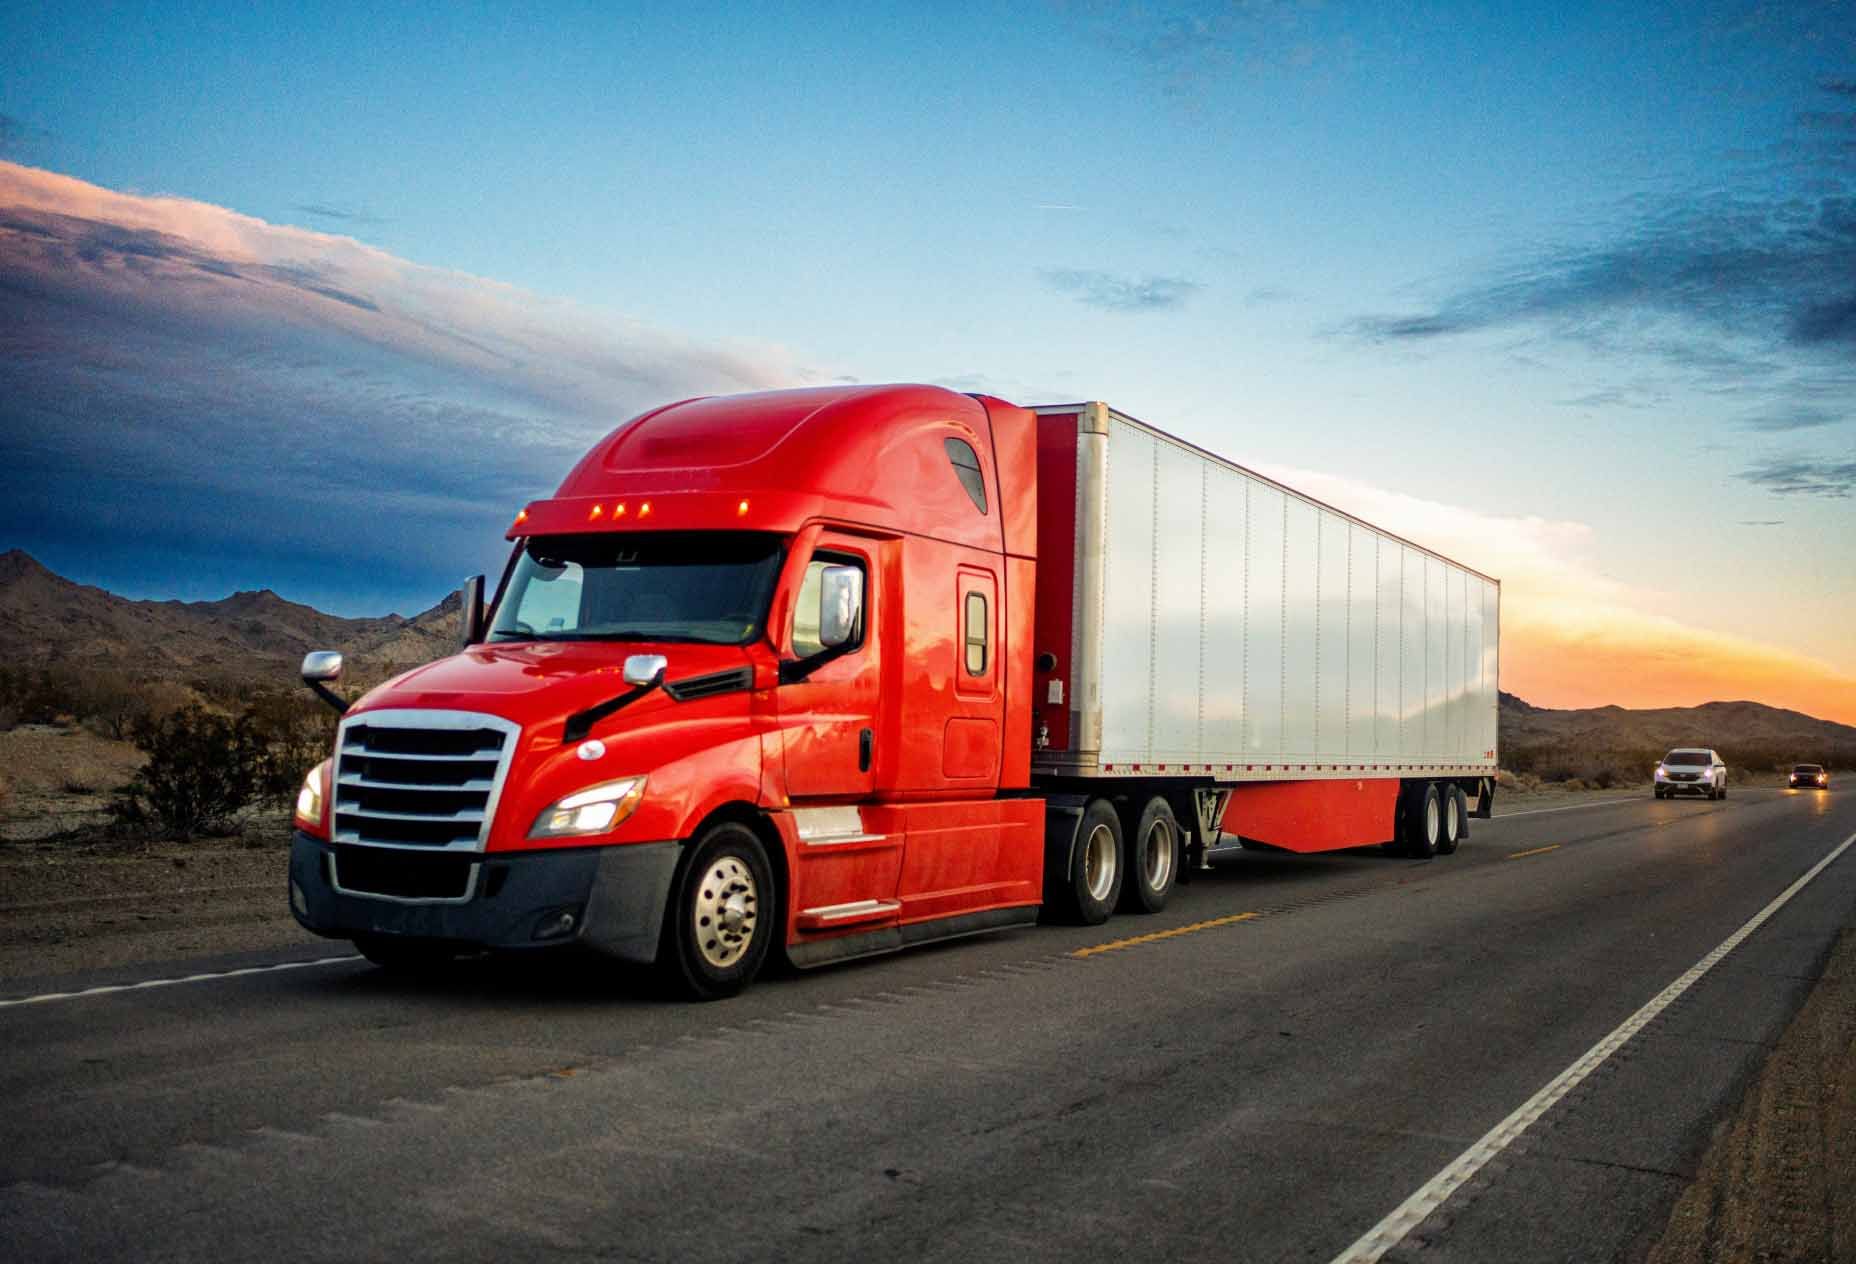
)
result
[(831, 672)]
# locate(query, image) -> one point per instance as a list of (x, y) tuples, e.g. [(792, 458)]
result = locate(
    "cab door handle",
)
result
[(866, 742)]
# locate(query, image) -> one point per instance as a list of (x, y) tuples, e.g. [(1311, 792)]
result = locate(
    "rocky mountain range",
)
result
[(47, 620)]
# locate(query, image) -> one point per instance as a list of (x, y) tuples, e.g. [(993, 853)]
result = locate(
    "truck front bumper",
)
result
[(610, 899)]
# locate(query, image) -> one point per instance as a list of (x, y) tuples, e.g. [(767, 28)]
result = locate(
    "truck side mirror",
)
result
[(645, 671), (840, 605), (320, 669), (470, 609)]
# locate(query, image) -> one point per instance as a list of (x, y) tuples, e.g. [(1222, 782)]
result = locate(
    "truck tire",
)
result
[(1453, 818), (398, 954), (1151, 859), (721, 920), (1422, 819), (1095, 877)]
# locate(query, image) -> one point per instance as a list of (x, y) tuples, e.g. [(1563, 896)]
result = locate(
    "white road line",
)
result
[(1408, 1215), (106, 989), (1569, 807)]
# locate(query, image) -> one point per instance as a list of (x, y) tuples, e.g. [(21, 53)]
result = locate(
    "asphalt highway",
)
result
[(1265, 1071)]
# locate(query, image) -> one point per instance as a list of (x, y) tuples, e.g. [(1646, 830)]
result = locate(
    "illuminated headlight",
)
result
[(592, 811), (309, 798), (1661, 771)]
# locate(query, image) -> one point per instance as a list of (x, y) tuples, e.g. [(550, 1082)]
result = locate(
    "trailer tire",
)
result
[(721, 916), (1419, 822), (1450, 825), (1096, 872), (1150, 859)]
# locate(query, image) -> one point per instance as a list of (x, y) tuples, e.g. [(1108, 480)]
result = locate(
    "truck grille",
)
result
[(420, 779)]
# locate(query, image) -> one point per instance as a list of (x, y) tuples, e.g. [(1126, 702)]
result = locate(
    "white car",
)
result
[(1691, 770)]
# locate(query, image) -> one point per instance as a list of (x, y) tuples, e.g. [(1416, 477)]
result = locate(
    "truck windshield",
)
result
[(704, 586)]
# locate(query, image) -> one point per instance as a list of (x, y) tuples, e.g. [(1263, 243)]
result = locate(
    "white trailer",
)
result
[(1201, 626)]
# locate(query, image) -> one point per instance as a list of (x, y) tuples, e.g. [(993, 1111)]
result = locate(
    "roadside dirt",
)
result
[(1779, 1182), (68, 906)]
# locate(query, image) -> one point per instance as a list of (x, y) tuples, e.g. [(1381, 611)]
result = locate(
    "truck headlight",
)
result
[(593, 810), (309, 798)]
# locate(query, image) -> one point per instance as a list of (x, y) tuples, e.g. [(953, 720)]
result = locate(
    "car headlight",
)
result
[(1661, 771), (593, 810), (309, 798)]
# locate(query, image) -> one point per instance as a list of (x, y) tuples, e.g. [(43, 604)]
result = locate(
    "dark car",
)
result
[(1810, 777)]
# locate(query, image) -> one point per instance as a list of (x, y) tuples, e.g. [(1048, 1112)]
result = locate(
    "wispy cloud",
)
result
[(323, 211), (1746, 292), (1186, 49), (1803, 476), (1794, 417), (174, 374), (1762, 522), (1120, 293)]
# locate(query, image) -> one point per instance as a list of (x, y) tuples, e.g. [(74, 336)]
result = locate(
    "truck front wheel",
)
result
[(1153, 859), (1095, 876), (721, 916)]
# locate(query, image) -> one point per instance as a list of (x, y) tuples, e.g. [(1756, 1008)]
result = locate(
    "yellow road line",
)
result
[(1516, 855), (1162, 934)]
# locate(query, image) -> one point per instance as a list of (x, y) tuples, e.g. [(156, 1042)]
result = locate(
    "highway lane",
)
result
[(1264, 1088)]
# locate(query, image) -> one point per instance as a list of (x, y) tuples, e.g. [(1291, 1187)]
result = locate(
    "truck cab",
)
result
[(756, 679)]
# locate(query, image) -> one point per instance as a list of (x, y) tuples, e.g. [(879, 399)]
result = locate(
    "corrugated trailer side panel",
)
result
[(1247, 632)]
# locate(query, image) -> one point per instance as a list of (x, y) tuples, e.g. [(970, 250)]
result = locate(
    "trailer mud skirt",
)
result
[(1309, 816)]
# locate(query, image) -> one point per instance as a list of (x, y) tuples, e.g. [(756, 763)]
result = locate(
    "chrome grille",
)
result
[(420, 779)]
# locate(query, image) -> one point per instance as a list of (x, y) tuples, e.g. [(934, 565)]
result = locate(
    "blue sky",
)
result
[(1576, 282)]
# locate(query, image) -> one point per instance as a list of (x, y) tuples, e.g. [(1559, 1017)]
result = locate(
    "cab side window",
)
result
[(966, 463), (975, 635)]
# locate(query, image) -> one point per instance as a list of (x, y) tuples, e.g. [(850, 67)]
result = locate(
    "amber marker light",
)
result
[(741, 508), (644, 510), (618, 510), (596, 512)]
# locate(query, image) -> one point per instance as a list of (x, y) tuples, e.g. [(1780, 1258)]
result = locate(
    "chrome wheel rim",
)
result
[(725, 910), (1099, 862), (1450, 822), (1157, 856), (1430, 820)]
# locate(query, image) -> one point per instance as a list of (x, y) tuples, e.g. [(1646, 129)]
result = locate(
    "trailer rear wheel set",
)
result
[(1432, 819)]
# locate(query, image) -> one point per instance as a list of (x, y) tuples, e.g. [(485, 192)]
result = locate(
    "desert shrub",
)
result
[(202, 771), (297, 732), (1573, 783)]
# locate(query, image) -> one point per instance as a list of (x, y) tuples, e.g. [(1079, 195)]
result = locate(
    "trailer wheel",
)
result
[(398, 954), (720, 920), (1462, 813), (1152, 859), (1422, 819), (1449, 819), (1095, 875)]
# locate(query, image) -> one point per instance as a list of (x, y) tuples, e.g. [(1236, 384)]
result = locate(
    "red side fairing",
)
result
[(913, 862), (1307, 816)]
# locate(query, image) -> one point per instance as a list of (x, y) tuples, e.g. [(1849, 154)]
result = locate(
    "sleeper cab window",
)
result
[(808, 609), (966, 465), (977, 626)]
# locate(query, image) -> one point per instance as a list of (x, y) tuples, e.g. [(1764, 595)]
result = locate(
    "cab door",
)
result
[(830, 716)]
